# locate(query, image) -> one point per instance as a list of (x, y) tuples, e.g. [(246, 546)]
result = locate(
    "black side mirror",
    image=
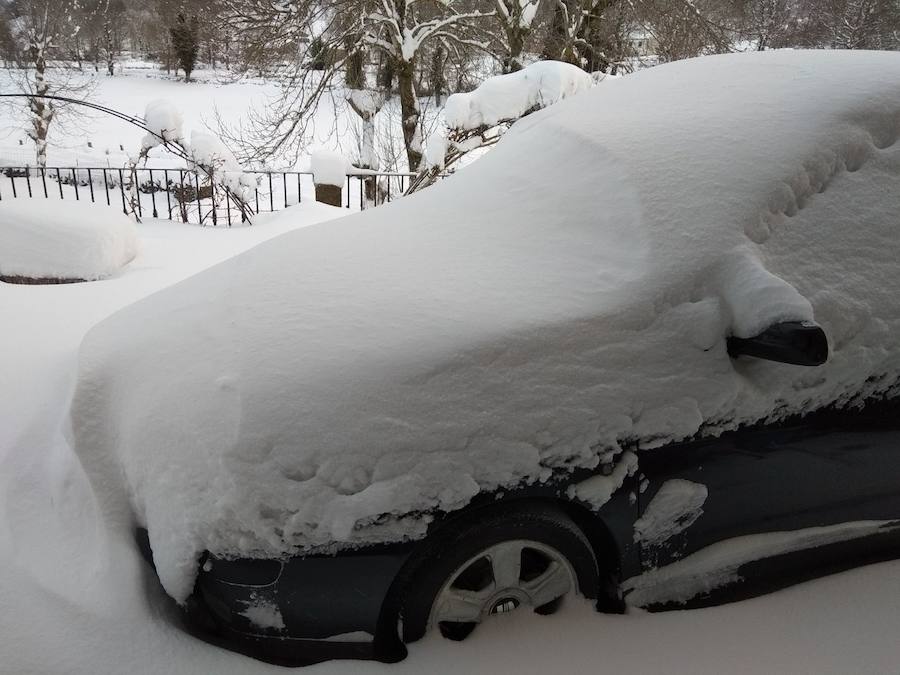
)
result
[(801, 343)]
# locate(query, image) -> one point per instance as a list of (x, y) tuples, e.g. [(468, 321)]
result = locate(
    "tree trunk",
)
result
[(110, 52), (409, 111), (42, 112)]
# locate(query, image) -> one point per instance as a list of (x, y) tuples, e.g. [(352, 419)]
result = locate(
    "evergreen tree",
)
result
[(185, 43)]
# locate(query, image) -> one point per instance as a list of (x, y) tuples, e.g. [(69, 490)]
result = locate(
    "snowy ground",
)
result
[(75, 601)]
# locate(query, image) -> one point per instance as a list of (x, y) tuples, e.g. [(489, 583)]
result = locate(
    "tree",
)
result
[(401, 28), (687, 28), (111, 12), (366, 102), (852, 24), (768, 22), (516, 19), (396, 31), (40, 28), (185, 43)]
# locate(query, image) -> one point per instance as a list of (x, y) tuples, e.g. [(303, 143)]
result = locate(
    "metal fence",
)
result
[(178, 194)]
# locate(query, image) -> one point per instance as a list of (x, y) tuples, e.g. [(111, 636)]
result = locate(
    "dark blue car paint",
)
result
[(828, 467)]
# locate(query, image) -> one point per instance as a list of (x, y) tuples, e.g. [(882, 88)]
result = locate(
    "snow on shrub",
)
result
[(477, 119), (219, 175), (509, 97), (46, 239), (164, 122), (219, 163)]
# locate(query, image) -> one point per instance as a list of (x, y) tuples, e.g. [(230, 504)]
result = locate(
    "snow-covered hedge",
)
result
[(50, 239)]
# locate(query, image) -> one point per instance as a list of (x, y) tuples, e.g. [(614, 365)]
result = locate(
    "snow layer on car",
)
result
[(43, 238), (567, 294)]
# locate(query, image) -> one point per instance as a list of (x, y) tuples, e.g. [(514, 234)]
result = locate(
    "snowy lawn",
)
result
[(77, 601)]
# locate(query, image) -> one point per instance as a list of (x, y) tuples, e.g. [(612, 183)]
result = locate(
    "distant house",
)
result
[(642, 42)]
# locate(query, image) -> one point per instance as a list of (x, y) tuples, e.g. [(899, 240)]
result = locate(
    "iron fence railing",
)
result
[(179, 194)]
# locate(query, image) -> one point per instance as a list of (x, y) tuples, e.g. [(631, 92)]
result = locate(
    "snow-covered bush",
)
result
[(506, 98), (75, 241), (218, 173), (478, 118)]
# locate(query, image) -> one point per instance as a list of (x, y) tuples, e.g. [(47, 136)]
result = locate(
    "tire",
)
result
[(501, 559)]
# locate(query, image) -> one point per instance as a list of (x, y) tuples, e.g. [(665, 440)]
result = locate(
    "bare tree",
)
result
[(280, 35), (687, 28), (40, 28), (852, 24), (516, 19), (769, 23), (401, 28), (590, 33)]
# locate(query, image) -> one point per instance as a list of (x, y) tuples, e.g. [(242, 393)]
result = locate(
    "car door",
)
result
[(828, 467)]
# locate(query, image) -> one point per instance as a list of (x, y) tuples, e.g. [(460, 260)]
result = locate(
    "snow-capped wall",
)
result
[(567, 295)]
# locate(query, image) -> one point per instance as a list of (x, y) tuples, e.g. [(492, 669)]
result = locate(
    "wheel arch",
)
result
[(591, 524)]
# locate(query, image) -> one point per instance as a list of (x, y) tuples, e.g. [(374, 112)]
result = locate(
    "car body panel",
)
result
[(831, 466)]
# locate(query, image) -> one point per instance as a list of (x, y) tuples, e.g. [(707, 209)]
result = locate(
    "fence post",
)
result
[(329, 174)]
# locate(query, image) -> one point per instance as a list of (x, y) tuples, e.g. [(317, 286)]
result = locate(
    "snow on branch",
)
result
[(219, 176), (479, 118)]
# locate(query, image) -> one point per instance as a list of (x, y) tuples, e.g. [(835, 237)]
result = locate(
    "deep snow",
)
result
[(486, 331), (78, 602), (47, 238)]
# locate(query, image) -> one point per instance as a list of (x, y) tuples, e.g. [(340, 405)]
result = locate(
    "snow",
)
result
[(164, 121), (264, 614), (508, 97), (436, 151), (44, 238), (717, 565), (209, 152), (329, 168), (69, 582), (673, 509), (529, 10), (510, 322), (597, 490), (366, 101)]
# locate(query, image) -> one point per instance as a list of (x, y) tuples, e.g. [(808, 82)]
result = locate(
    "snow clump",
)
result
[(329, 168), (218, 162), (164, 121)]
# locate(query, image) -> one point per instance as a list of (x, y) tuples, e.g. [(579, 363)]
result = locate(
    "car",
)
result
[(643, 351)]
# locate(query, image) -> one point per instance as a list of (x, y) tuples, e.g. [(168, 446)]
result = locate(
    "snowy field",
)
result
[(77, 601), (93, 139)]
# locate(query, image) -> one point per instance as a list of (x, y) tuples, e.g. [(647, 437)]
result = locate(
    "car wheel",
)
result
[(530, 556)]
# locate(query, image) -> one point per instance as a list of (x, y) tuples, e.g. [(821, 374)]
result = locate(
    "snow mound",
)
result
[(164, 121), (566, 297), (49, 239), (508, 97)]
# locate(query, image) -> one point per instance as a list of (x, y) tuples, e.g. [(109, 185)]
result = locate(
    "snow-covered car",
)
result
[(643, 346)]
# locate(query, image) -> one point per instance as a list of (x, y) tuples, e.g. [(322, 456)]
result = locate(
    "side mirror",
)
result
[(801, 343)]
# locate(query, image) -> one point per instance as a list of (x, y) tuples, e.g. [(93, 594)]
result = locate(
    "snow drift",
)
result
[(49, 239), (567, 295)]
